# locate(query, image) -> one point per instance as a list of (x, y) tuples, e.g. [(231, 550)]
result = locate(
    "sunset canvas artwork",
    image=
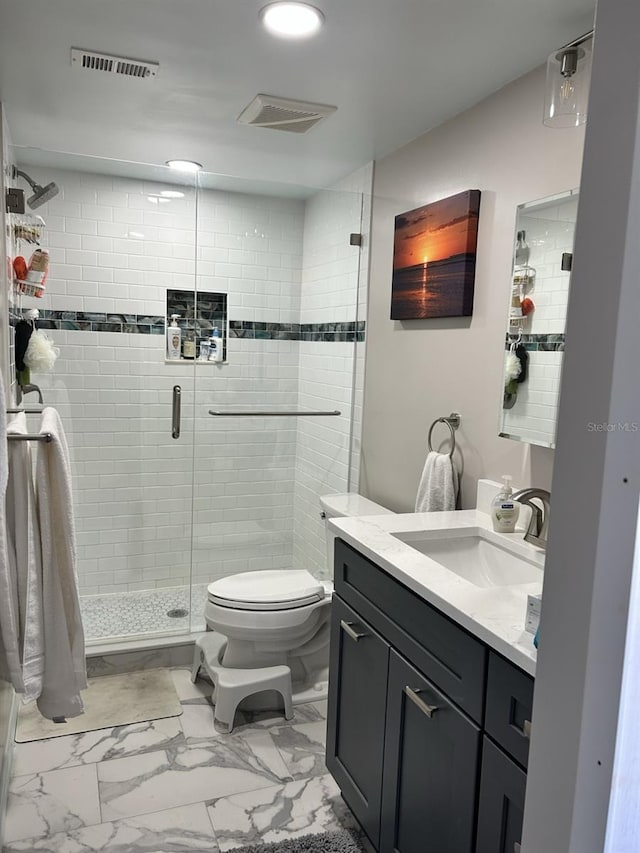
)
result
[(434, 259)]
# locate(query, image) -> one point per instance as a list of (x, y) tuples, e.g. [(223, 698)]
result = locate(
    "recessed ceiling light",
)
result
[(292, 20), (184, 165), (171, 194)]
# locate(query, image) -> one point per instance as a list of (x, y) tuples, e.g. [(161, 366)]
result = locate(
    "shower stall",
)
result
[(167, 501)]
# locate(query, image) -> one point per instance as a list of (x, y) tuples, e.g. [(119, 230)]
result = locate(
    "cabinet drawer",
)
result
[(509, 707), (449, 656)]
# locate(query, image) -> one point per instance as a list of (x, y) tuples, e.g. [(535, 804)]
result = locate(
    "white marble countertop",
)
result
[(496, 615)]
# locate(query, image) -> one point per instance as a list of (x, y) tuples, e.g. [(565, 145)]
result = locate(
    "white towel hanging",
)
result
[(438, 487)]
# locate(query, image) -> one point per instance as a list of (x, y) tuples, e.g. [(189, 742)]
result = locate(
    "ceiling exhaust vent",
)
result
[(89, 60), (284, 114)]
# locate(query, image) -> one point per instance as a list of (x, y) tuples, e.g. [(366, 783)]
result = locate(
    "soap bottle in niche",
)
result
[(504, 510), (174, 337), (215, 345), (189, 345)]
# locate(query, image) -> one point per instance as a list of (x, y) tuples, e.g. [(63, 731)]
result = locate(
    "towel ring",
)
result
[(453, 422)]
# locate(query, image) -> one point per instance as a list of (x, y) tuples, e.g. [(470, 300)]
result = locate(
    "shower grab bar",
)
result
[(256, 413)]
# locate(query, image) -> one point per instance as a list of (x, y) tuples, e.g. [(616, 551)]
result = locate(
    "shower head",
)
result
[(41, 195)]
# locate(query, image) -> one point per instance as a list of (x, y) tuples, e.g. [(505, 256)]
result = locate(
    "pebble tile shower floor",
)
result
[(176, 785), (125, 614)]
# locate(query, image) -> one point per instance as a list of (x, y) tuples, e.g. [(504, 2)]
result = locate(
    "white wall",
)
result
[(419, 370)]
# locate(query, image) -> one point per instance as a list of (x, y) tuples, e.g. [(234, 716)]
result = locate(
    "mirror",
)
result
[(538, 297)]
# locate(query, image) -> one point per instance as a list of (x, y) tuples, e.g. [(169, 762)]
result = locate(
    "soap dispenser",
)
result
[(174, 337), (504, 510)]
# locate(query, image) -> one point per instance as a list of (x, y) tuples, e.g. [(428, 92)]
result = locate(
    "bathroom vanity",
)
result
[(429, 719)]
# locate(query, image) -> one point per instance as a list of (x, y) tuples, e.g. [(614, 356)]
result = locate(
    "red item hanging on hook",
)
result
[(527, 305)]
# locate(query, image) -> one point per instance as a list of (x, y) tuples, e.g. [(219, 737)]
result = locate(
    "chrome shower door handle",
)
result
[(175, 411)]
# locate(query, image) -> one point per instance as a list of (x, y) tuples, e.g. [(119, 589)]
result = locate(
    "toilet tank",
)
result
[(349, 505)]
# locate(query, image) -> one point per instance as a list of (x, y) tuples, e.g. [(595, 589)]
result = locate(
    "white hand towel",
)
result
[(10, 664), (25, 556), (438, 488), (65, 666)]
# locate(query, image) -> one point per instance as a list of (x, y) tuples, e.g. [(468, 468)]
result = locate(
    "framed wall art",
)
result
[(434, 259)]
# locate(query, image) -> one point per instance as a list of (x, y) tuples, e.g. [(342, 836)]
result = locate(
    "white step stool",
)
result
[(234, 685)]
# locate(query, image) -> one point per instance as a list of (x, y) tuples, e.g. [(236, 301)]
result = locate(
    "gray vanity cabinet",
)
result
[(430, 768), (357, 708), (428, 728)]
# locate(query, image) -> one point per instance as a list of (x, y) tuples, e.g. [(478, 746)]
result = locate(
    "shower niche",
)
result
[(199, 314)]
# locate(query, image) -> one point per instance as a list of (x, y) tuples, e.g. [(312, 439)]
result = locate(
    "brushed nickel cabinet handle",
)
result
[(516, 847), (175, 411), (348, 629), (412, 693), (526, 729)]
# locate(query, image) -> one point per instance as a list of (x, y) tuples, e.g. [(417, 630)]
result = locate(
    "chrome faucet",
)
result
[(539, 522)]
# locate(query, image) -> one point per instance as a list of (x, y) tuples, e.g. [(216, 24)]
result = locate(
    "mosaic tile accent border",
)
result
[(539, 343), (143, 324), (346, 331)]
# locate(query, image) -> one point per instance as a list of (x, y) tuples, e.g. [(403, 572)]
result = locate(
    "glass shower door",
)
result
[(274, 421)]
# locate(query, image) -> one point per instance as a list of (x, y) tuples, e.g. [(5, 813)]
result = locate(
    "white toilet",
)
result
[(282, 617)]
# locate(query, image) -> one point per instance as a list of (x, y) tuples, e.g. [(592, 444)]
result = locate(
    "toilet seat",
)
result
[(267, 590)]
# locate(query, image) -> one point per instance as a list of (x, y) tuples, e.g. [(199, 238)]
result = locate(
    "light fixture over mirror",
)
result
[(567, 87)]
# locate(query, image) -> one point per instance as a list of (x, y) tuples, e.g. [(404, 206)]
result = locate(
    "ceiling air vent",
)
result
[(89, 60), (284, 114)]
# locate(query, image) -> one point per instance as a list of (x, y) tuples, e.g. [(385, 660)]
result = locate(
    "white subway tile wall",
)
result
[(116, 245), (549, 233)]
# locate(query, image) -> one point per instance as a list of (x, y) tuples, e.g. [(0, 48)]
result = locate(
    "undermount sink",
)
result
[(474, 558)]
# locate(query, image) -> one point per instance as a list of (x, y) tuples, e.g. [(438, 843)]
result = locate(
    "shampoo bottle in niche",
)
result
[(504, 510), (215, 345), (174, 337)]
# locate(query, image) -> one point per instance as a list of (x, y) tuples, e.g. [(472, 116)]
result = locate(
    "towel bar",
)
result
[(453, 422), (256, 413), (41, 436)]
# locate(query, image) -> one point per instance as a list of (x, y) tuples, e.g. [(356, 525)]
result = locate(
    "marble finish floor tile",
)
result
[(100, 745), (278, 813), (182, 830), (302, 748), (167, 778), (309, 712), (41, 804)]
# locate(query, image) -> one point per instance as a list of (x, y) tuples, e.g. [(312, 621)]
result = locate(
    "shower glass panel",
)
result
[(119, 235), (274, 270), (285, 259)]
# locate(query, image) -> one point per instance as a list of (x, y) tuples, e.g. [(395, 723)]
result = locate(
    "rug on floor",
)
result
[(110, 700), (324, 842)]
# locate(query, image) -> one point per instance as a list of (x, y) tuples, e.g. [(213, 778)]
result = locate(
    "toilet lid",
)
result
[(267, 590)]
